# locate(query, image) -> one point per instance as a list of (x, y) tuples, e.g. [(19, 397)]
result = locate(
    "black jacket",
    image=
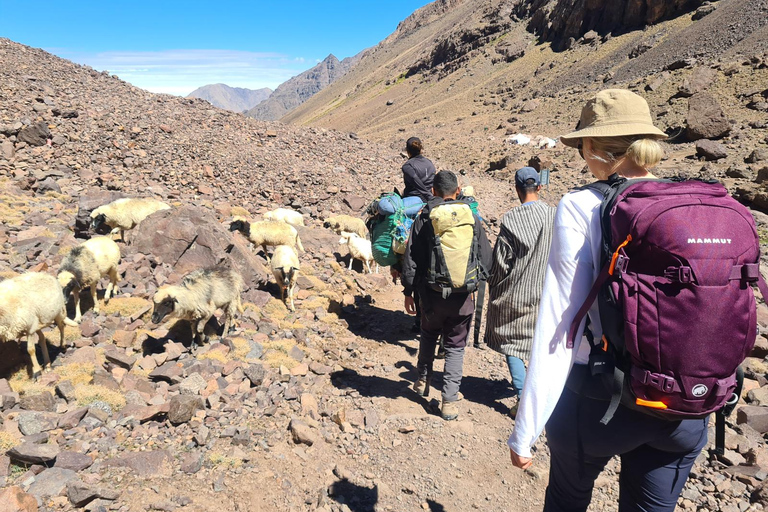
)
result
[(418, 175), (417, 252)]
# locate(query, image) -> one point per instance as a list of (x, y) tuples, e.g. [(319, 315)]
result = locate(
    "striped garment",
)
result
[(517, 277)]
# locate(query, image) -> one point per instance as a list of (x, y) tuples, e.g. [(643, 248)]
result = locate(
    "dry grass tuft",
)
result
[(8, 441), (239, 211), (214, 355), (315, 302), (22, 384), (276, 353), (87, 394), (78, 374), (126, 306), (275, 310), (218, 459), (242, 347)]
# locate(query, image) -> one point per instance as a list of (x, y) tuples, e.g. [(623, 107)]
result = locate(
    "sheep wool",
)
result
[(267, 233), (285, 267), (359, 249), (126, 213), (340, 223), (197, 298), (29, 303), (85, 265), (291, 217)]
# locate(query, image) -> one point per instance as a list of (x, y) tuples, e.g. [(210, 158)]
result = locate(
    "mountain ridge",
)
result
[(296, 90)]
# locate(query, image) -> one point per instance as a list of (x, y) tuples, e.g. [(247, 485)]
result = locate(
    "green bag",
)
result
[(381, 240)]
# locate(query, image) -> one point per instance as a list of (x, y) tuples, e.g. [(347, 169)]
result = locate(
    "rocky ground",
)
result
[(305, 410)]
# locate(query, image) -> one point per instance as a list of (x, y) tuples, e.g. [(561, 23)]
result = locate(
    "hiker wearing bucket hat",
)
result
[(615, 135)]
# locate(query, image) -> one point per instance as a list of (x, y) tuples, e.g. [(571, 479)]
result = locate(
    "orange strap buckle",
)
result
[(616, 254), (651, 404), (605, 343)]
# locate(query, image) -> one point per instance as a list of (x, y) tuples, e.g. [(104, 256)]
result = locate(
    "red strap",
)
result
[(572, 332)]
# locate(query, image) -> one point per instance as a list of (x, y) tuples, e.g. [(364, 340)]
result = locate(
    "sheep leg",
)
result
[(95, 298), (122, 235), (351, 259), (228, 313), (290, 295), (78, 315), (114, 278), (201, 327), (60, 324), (44, 349), (36, 371), (193, 346), (377, 268), (368, 266), (266, 254)]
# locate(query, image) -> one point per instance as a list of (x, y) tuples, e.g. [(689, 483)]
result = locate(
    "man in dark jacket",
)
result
[(418, 171), (443, 314)]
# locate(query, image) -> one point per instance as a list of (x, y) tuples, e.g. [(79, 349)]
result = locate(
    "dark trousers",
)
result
[(656, 455), (450, 318)]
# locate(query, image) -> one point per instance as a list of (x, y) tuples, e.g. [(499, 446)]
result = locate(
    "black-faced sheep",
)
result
[(286, 215), (197, 298), (359, 249), (267, 232), (29, 303), (125, 214), (285, 267), (85, 265), (339, 223)]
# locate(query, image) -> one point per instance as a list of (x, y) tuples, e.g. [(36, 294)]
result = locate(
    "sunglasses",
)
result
[(580, 147)]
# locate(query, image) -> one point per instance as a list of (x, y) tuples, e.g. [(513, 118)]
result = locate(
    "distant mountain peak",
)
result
[(235, 99)]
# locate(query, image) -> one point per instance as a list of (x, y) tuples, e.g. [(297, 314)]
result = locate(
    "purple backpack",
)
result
[(676, 303)]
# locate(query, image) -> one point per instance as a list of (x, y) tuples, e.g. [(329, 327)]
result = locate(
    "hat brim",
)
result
[(615, 130)]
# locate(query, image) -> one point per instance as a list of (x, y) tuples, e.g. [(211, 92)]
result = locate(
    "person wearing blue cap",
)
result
[(517, 276)]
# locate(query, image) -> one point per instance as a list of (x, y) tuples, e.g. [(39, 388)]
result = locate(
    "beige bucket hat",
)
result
[(612, 113)]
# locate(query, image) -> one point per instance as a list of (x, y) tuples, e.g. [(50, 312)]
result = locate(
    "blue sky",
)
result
[(175, 47)]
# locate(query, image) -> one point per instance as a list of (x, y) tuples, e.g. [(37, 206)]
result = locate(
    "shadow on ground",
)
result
[(356, 497), (379, 324), (375, 386)]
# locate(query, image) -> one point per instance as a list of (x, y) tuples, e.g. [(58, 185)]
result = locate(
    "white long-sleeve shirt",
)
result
[(572, 268)]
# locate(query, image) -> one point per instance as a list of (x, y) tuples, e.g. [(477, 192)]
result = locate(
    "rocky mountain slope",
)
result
[(295, 91), (235, 99), (466, 75)]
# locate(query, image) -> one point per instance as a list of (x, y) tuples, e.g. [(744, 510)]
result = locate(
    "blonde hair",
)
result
[(641, 150)]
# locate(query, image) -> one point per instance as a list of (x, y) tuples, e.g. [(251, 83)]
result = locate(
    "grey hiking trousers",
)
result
[(450, 317)]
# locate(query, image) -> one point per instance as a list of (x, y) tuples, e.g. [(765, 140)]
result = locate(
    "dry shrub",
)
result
[(88, 393), (315, 302), (218, 459)]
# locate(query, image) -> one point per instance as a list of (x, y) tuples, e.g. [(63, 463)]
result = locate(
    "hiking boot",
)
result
[(421, 387), (449, 411)]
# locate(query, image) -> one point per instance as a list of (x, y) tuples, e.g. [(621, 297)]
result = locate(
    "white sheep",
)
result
[(286, 215), (339, 223), (359, 249), (285, 267), (125, 214), (29, 303), (85, 265), (197, 298), (267, 232)]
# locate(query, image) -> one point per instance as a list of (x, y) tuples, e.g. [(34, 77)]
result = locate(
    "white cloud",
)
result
[(181, 71)]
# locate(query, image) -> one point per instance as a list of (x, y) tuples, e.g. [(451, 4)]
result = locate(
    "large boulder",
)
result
[(706, 119), (190, 238), (35, 134)]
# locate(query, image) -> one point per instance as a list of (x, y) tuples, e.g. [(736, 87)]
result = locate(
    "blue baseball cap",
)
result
[(525, 174)]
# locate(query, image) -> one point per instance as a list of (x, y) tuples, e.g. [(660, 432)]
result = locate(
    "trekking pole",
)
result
[(479, 312)]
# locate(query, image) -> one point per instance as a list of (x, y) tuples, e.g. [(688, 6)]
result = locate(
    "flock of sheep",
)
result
[(33, 300)]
